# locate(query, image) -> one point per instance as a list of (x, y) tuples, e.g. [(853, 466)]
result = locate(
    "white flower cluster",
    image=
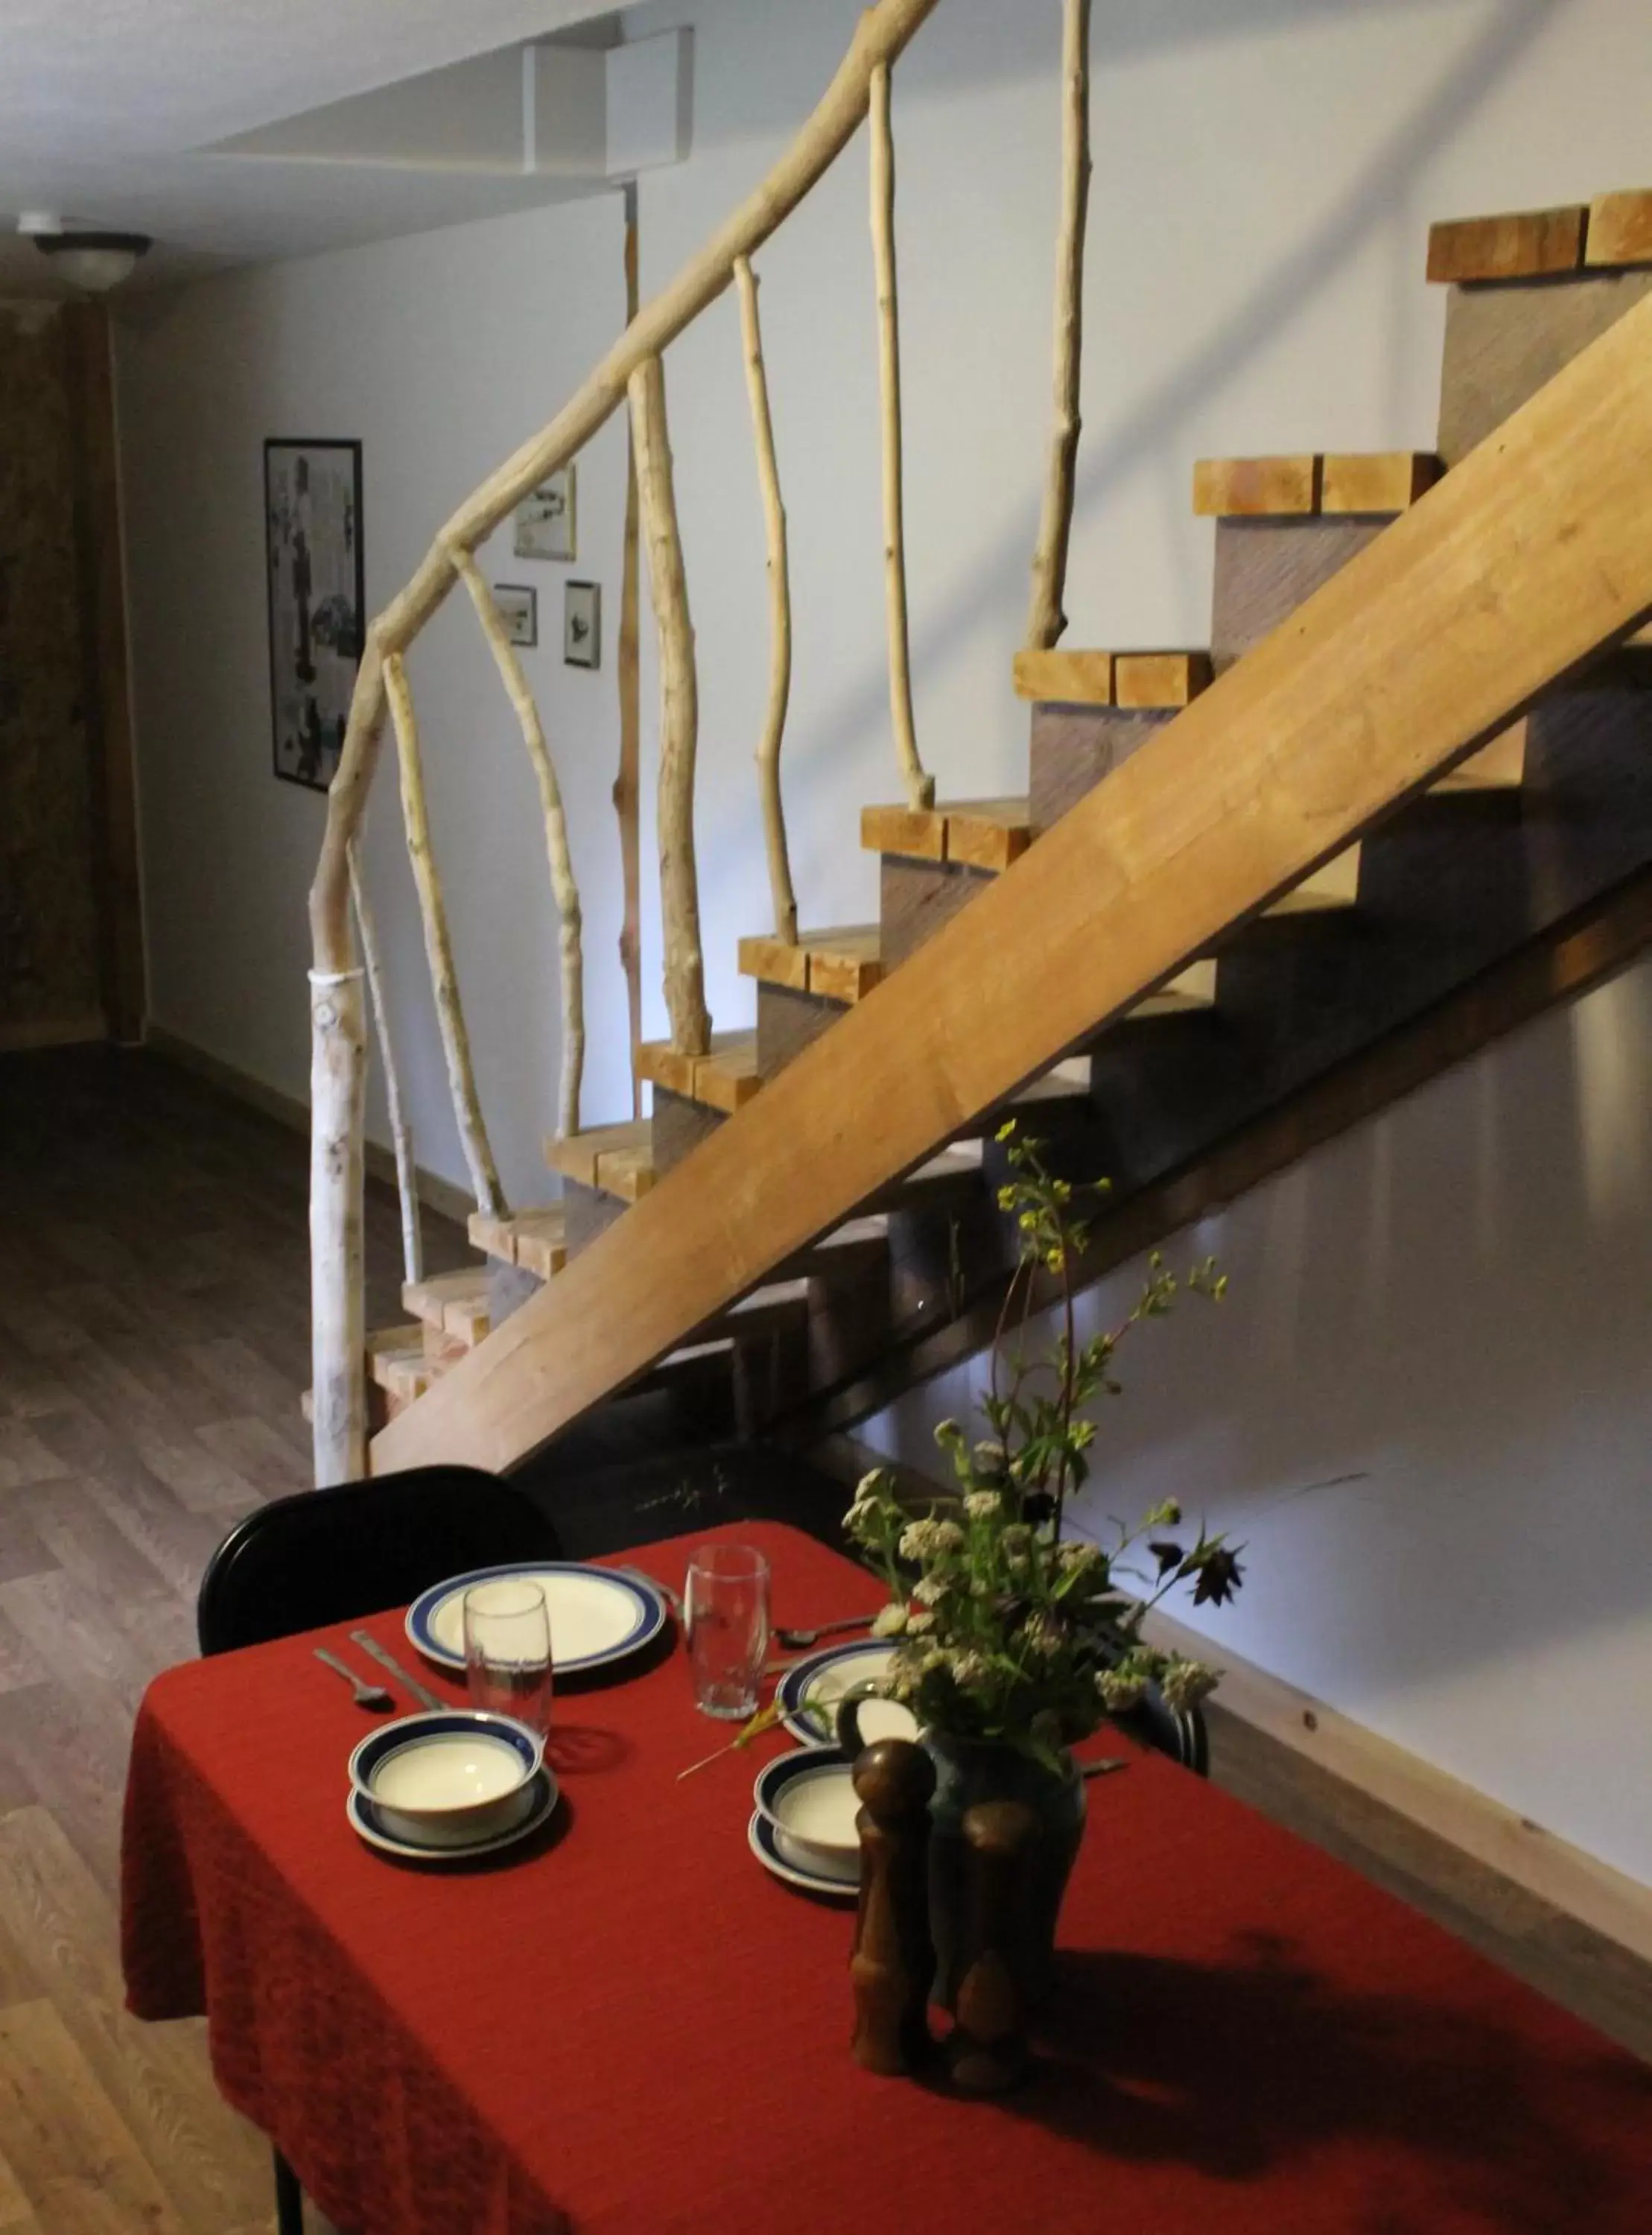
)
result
[(983, 1504), (927, 1540), (890, 1620)]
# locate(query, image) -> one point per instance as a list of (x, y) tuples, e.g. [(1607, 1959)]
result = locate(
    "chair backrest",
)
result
[(329, 1555), (1182, 1736)]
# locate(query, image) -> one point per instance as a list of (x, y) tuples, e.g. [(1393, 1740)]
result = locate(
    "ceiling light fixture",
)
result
[(92, 263)]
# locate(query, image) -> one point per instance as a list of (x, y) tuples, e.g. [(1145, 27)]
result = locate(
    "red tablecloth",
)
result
[(633, 2028)]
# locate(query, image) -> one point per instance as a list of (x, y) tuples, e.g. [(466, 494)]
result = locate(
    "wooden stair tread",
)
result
[(455, 1304), (725, 1079), (1619, 231), (1325, 891), (982, 834), (1324, 483), (535, 1239), (1187, 993), (1516, 244), (839, 965), (1499, 766), (615, 1160), (1142, 680)]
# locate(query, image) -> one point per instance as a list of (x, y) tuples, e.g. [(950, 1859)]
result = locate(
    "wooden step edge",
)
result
[(390, 1345), (1321, 484), (1619, 230), (725, 1079), (1188, 994), (535, 1239), (454, 1304), (1066, 678), (1514, 245), (1138, 680), (841, 964), (982, 834), (1498, 766), (577, 1156), (1325, 892)]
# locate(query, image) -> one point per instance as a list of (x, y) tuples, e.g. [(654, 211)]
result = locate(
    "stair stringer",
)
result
[(1527, 559)]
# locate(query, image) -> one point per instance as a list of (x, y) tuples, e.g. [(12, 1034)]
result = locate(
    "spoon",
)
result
[(793, 1638), (366, 1696)]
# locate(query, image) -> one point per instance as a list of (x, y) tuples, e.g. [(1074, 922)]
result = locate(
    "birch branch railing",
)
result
[(1048, 620), (779, 609), (407, 1170), (630, 368)]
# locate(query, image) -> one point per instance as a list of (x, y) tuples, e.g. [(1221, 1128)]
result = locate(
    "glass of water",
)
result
[(508, 1650), (726, 1622)]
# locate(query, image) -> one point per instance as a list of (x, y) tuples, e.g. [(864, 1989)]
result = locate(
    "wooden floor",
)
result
[(153, 1345)]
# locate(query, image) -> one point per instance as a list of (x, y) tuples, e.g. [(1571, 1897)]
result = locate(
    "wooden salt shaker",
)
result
[(987, 2049), (893, 1961)]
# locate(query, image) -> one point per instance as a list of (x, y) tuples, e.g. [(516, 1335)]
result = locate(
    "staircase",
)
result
[(1253, 890)]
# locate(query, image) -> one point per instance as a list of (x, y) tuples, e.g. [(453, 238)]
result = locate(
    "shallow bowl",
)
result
[(450, 1777), (809, 1797)]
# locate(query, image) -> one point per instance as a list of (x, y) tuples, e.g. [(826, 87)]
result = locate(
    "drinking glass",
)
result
[(508, 1650), (726, 1624)]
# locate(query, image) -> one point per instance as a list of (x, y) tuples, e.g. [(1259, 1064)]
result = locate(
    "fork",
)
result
[(366, 1696), (793, 1638)]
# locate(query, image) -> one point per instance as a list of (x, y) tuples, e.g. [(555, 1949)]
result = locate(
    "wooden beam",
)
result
[(1398, 668), (1520, 245), (1620, 229)]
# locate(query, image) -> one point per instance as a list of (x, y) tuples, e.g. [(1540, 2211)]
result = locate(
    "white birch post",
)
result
[(920, 788), (556, 841), (779, 609), (685, 994), (338, 1310), (1048, 619), (450, 1016), (407, 1171)]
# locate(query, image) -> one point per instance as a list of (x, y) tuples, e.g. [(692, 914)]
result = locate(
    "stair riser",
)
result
[(679, 1128), (1503, 342), (1265, 568), (788, 1022), (916, 898), (1073, 747), (509, 1287), (590, 1213)]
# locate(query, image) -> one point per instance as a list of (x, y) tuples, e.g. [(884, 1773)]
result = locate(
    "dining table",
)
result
[(625, 2026)]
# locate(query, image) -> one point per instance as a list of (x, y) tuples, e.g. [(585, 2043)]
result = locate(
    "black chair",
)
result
[(1182, 1736), (330, 1556)]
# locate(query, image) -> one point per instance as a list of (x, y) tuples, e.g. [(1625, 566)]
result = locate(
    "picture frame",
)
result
[(518, 607), (582, 624), (316, 600), (547, 518)]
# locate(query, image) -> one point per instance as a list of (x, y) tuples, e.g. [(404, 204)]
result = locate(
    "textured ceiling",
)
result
[(104, 104)]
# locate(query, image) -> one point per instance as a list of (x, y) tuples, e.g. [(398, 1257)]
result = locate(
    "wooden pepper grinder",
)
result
[(987, 2049), (893, 1961)]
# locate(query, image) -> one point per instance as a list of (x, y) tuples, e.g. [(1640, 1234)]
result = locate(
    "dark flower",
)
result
[(1220, 1577), (1167, 1555), (1038, 1506)]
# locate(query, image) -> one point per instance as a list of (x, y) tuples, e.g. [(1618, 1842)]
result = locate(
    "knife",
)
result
[(421, 1693)]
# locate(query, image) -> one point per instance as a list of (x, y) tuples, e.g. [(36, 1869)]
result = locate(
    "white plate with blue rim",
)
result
[(782, 1858), (820, 1682), (598, 1616), (536, 1804)]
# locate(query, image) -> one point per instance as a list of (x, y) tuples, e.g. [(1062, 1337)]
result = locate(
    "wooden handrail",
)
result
[(883, 34), (563, 883), (779, 609), (1529, 556), (685, 990), (1048, 621)]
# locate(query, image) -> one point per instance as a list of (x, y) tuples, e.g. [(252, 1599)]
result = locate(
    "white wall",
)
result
[(1448, 1306)]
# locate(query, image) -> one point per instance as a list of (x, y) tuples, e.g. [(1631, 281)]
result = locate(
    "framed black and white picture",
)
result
[(519, 606), (545, 524), (582, 624), (312, 528)]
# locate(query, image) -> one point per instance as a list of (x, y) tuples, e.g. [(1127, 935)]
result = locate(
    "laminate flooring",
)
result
[(153, 1342)]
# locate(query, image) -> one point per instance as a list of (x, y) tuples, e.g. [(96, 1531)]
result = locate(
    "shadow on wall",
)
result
[(1426, 1405), (993, 596)]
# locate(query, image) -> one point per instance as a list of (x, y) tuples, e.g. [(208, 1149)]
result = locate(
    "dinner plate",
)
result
[(779, 1857), (825, 1676), (597, 1617), (367, 1821)]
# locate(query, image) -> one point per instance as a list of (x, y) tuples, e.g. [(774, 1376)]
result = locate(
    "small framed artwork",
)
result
[(582, 624), (544, 519), (519, 606), (312, 549)]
